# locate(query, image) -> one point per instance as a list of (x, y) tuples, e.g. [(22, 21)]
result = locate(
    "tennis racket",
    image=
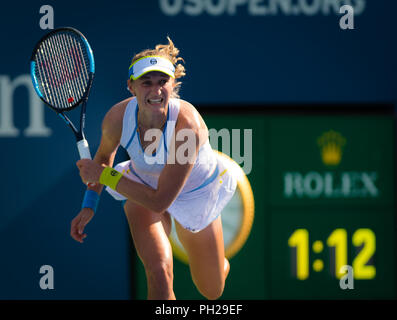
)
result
[(62, 68)]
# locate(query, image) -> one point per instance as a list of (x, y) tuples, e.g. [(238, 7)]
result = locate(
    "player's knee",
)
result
[(212, 287), (213, 293), (211, 290)]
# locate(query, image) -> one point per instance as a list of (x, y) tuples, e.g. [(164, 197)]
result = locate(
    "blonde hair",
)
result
[(170, 52)]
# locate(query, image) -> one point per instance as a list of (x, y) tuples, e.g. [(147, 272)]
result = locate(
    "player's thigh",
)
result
[(150, 232), (206, 253)]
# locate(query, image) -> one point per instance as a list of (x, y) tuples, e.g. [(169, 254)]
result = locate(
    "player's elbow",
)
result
[(161, 203), (159, 207)]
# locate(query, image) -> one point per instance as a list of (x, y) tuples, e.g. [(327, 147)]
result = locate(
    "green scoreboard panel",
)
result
[(331, 207), (324, 188)]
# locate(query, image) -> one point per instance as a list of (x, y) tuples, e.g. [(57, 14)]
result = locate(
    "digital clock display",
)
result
[(364, 241), (309, 253)]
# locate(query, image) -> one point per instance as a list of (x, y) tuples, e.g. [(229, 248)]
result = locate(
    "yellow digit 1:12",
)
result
[(365, 238)]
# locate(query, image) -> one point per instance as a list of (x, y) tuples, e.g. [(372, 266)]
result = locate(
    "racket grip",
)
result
[(84, 149)]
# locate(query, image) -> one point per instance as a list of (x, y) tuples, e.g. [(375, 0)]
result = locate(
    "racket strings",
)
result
[(65, 70), (70, 65), (53, 74), (66, 59), (50, 73), (79, 63), (62, 69), (58, 72)]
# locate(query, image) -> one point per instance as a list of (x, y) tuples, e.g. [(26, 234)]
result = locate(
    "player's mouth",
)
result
[(155, 102)]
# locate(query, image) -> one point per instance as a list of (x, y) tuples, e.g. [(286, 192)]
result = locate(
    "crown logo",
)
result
[(331, 144)]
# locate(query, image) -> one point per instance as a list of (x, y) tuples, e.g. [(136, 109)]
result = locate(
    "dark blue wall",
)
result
[(277, 52)]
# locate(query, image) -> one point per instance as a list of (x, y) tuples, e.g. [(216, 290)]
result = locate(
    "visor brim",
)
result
[(153, 68)]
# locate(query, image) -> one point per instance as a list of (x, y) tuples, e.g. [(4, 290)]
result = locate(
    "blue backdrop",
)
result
[(236, 53)]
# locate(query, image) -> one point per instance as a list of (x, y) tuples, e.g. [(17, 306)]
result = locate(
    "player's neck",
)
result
[(147, 120)]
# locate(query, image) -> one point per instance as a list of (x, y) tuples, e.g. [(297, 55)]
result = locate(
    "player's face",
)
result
[(153, 90)]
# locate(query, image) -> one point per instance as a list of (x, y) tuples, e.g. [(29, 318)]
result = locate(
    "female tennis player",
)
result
[(172, 172)]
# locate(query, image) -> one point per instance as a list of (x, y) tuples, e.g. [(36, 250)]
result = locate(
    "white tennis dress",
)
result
[(208, 188)]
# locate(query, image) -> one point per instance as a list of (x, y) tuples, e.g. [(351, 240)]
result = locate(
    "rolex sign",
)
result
[(331, 160)]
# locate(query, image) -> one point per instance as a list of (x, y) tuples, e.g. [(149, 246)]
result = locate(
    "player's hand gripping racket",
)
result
[(62, 69)]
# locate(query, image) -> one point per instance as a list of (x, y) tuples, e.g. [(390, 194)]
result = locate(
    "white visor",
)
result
[(151, 63)]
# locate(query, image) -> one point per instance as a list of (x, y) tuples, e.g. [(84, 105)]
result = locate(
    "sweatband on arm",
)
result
[(91, 200), (110, 177)]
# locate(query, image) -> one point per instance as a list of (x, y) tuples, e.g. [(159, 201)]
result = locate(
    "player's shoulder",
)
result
[(113, 121), (190, 118), (115, 114), (186, 106), (189, 115)]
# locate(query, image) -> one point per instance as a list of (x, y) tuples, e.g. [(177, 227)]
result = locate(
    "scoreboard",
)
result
[(331, 206)]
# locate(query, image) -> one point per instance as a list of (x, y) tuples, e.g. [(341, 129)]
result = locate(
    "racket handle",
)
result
[(84, 149)]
